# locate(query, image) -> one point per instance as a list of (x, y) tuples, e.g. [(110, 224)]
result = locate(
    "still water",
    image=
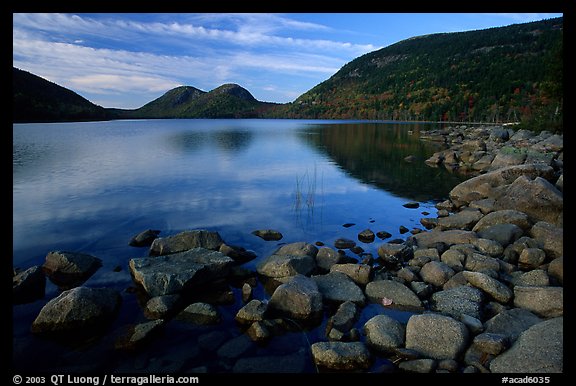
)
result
[(90, 187)]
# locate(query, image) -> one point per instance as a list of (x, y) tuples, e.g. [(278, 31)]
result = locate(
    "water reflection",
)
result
[(375, 154)]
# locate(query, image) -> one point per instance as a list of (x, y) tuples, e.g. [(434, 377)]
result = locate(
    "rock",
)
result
[(508, 156), (483, 186), (366, 236), (458, 301), (411, 205), (383, 235), (278, 266), (184, 241), (162, 307), (505, 216), (489, 247), (79, 310), (200, 313), (359, 273), (504, 234), (436, 336), (464, 220), (341, 355), (477, 262), (293, 363), (394, 253), (337, 287), (489, 343), (170, 274), (538, 198), (384, 333), (534, 278), (28, 286), (539, 349), (258, 332), (436, 273), (550, 237), (402, 297), (344, 243), (268, 234), (531, 258), (424, 365), (144, 238), (298, 249), (454, 259), (511, 323), (253, 311), (299, 298), (70, 269), (498, 291), (327, 257), (138, 335), (238, 254), (450, 237), (556, 269), (343, 320), (547, 302), (246, 292)]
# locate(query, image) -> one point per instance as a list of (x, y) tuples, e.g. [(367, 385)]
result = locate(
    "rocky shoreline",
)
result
[(484, 279)]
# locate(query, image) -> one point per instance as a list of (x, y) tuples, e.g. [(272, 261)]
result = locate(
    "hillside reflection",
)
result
[(375, 153)]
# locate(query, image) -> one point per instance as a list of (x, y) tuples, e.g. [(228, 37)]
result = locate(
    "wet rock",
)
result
[(547, 302), (200, 313), (138, 335), (402, 297), (359, 273), (268, 234), (70, 269), (253, 311), (411, 205), (342, 321), (341, 355), (424, 365), (238, 254), (394, 253), (165, 275), (280, 265), (504, 234), (28, 285), (298, 249), (299, 298), (162, 307), (366, 236), (344, 243), (80, 310), (184, 241), (383, 235), (337, 287), (436, 336), (144, 238), (539, 349), (384, 333), (327, 257)]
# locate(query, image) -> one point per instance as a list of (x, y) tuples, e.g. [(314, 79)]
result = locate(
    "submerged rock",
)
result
[(184, 241), (28, 286), (144, 239), (268, 234)]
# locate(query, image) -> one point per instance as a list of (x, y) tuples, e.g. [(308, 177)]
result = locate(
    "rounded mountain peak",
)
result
[(234, 90)]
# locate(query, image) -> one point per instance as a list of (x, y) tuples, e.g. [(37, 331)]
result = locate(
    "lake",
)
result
[(89, 187)]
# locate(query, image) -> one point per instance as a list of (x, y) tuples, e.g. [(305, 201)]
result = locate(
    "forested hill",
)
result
[(36, 99), (511, 73)]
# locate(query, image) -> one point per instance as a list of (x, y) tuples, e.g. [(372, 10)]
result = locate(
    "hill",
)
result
[(226, 101), (38, 100), (511, 73)]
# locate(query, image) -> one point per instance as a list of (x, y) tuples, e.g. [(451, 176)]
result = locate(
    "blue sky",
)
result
[(126, 60)]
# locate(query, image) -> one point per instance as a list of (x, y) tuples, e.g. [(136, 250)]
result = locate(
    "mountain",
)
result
[(511, 73), (38, 100), (226, 101)]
